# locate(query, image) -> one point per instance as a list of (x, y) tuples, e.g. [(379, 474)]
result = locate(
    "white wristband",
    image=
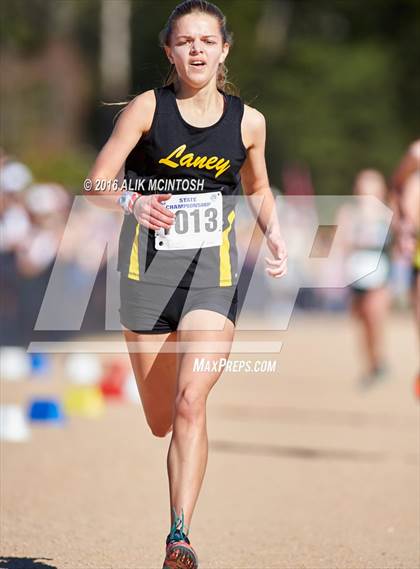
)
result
[(127, 201)]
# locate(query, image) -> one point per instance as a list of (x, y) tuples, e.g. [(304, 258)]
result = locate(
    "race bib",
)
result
[(198, 222)]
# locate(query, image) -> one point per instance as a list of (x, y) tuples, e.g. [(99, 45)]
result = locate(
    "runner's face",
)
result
[(415, 149), (196, 48), (370, 185)]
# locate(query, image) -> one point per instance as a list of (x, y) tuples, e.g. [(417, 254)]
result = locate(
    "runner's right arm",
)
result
[(133, 122)]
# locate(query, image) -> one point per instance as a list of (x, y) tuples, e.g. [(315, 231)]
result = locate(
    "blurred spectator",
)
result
[(14, 228), (47, 206), (366, 232), (406, 204), (32, 222)]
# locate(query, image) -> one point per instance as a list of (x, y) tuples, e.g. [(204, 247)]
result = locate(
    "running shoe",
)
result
[(378, 375), (179, 552)]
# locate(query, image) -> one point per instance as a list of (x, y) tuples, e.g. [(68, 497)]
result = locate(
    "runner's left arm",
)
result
[(255, 183)]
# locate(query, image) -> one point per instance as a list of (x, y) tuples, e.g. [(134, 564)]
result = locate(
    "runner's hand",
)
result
[(149, 211), (277, 266)]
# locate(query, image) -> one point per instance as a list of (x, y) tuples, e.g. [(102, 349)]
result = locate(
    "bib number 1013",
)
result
[(198, 222), (189, 221)]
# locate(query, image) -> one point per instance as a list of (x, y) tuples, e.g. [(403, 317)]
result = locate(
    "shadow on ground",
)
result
[(296, 452), (25, 563)]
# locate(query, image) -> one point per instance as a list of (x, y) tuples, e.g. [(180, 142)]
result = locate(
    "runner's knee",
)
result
[(190, 405), (160, 429)]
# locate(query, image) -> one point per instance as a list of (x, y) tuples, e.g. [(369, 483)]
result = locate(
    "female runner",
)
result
[(187, 145), (367, 237)]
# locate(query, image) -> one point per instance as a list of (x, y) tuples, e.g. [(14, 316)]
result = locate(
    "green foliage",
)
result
[(68, 168), (24, 24), (334, 110), (337, 80)]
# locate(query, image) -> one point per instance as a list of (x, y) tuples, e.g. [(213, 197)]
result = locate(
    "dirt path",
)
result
[(305, 471)]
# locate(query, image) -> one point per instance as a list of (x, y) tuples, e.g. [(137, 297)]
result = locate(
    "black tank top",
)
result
[(178, 158)]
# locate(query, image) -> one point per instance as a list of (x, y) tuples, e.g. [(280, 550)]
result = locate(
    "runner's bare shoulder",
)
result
[(253, 125), (139, 112)]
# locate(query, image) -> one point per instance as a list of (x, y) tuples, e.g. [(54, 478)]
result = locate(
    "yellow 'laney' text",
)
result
[(189, 160)]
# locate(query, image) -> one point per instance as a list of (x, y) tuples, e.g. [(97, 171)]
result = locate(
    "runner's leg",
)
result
[(156, 378), (188, 450), (375, 310)]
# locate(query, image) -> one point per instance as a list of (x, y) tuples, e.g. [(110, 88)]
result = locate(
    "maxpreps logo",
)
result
[(178, 158)]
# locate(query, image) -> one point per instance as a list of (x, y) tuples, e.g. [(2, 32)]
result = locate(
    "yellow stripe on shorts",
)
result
[(416, 261), (225, 265), (134, 268)]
